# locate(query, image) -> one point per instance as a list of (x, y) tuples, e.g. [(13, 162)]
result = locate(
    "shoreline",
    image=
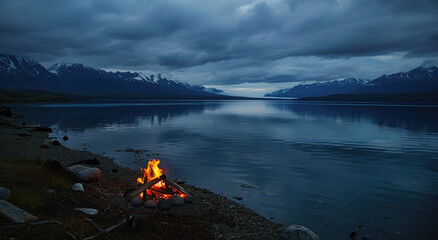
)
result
[(211, 216)]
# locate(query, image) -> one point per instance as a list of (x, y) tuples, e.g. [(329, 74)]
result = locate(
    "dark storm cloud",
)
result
[(229, 41)]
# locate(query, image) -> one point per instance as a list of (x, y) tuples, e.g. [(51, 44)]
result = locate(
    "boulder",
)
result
[(150, 204), (136, 201), (14, 214), (77, 168), (89, 175), (5, 193), (78, 187), (298, 232)]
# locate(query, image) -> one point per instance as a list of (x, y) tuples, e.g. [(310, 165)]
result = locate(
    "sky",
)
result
[(243, 47)]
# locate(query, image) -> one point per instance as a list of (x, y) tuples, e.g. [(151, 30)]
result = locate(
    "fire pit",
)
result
[(155, 190)]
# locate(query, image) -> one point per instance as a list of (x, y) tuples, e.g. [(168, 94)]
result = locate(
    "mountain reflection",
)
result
[(82, 116), (406, 117)]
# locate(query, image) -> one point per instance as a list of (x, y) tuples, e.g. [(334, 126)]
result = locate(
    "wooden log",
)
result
[(177, 186), (145, 186), (14, 214)]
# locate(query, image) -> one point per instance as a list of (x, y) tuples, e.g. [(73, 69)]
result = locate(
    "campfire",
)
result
[(155, 190)]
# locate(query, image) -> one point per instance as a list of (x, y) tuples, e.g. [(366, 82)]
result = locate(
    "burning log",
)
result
[(145, 186), (177, 186)]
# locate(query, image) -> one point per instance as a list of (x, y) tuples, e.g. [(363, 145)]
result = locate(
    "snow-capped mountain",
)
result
[(24, 73), (318, 89), (418, 79)]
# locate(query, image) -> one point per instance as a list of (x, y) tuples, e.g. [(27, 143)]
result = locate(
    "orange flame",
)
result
[(150, 173)]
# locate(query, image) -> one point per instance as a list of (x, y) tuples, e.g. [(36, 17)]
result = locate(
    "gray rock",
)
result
[(150, 204), (5, 193), (89, 175), (164, 204), (188, 199), (177, 200), (78, 187), (136, 201), (298, 232), (89, 211), (77, 168)]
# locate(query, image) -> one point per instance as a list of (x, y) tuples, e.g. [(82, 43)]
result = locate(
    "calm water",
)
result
[(330, 167)]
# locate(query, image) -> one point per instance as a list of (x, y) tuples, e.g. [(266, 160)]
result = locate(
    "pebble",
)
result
[(65, 138), (89, 211), (5, 193), (238, 198), (150, 204), (298, 232), (136, 201), (78, 187), (165, 204), (89, 175), (51, 191), (114, 170), (56, 143)]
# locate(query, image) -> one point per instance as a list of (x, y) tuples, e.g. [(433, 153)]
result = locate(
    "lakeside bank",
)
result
[(210, 216)]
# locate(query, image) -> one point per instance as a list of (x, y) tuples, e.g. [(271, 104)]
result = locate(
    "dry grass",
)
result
[(28, 180)]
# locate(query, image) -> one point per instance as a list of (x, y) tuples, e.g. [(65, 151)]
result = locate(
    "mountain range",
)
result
[(319, 89), (20, 73), (416, 80)]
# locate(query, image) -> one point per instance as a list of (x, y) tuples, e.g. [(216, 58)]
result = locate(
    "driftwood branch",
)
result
[(101, 231), (177, 186), (72, 235), (145, 186)]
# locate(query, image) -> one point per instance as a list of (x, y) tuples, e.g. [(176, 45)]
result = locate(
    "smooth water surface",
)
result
[(330, 167)]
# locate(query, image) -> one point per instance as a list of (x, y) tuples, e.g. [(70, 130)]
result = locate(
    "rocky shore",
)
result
[(28, 157)]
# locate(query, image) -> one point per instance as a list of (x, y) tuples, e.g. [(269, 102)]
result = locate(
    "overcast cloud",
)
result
[(227, 42)]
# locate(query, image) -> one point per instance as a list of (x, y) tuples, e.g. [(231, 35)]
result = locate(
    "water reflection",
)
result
[(325, 166)]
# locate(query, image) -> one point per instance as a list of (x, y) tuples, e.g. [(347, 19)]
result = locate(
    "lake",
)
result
[(335, 168)]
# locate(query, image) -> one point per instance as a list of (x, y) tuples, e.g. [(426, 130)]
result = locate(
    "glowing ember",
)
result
[(160, 189)]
